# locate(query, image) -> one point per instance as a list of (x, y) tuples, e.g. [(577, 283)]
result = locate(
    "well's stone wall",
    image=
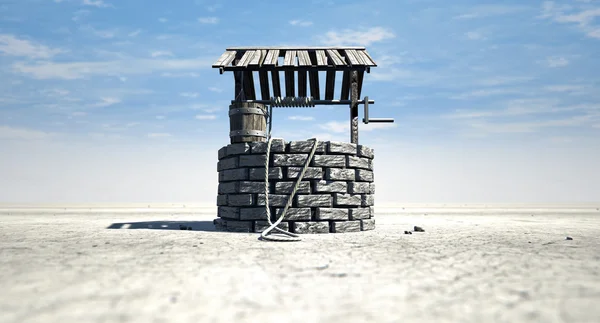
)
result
[(335, 195)]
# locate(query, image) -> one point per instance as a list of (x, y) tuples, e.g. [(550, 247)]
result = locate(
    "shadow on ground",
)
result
[(166, 225)]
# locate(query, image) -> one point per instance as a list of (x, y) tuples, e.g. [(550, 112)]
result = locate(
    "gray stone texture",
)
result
[(289, 159), (311, 173), (331, 214), (356, 162), (276, 200), (360, 213), (364, 151), (368, 200), (330, 187), (359, 187), (340, 174), (306, 146), (236, 226), (238, 149), (277, 146), (287, 187), (336, 147), (363, 175), (222, 200), (372, 190), (251, 187), (222, 152), (260, 226), (294, 214), (314, 200), (240, 199), (227, 163), (228, 212), (329, 161), (368, 224), (347, 199), (253, 213), (311, 227), (258, 174), (228, 187), (252, 160), (236, 174), (345, 226)]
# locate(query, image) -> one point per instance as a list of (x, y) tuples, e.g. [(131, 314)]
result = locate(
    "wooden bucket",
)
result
[(247, 122)]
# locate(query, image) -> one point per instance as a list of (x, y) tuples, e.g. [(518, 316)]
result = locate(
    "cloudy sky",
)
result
[(115, 101)]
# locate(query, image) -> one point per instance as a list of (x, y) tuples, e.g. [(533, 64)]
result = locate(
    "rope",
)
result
[(274, 226)]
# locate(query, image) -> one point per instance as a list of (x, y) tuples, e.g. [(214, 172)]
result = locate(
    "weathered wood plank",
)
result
[(276, 83), (345, 86), (225, 59), (248, 81), (264, 85), (302, 83), (289, 84), (244, 121), (272, 57), (238, 77), (361, 75), (313, 78), (364, 52), (258, 58), (351, 58), (329, 85), (335, 57), (246, 58), (365, 58), (303, 58), (290, 58), (321, 58), (353, 107), (296, 48)]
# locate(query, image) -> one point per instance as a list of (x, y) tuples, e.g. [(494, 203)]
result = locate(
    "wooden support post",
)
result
[(354, 107), (238, 76)]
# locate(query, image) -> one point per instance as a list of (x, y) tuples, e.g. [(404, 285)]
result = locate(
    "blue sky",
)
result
[(116, 101)]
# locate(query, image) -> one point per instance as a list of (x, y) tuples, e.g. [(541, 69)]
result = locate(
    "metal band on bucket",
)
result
[(257, 133)]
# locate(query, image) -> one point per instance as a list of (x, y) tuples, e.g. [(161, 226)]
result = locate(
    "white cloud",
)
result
[(105, 102), (215, 89), (375, 126), (160, 117), (213, 8), (79, 14), (96, 3), (14, 133), (183, 74), (301, 23), (356, 37), (13, 46), (208, 20), (159, 135), (189, 94), (485, 93), (134, 33), (162, 20), (557, 61), (301, 118), (78, 70), (583, 19), (160, 53), (206, 117), (483, 11), (474, 35)]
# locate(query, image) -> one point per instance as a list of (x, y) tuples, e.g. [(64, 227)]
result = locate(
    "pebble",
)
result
[(419, 229), (569, 238), (407, 232)]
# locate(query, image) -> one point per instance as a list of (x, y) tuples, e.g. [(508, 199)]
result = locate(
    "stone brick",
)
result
[(289, 159), (360, 213), (311, 227), (345, 226), (340, 174), (368, 224), (372, 212), (314, 200), (368, 200), (294, 214), (329, 187), (253, 213), (363, 175), (221, 199), (223, 152), (228, 187), (364, 151), (287, 187), (331, 214), (277, 200), (236, 226), (251, 187), (260, 226), (228, 212), (258, 174), (227, 163), (240, 200), (306, 146), (329, 161), (372, 188), (359, 187), (311, 173), (238, 149), (336, 147), (277, 146), (346, 200), (252, 160), (358, 162), (236, 174)]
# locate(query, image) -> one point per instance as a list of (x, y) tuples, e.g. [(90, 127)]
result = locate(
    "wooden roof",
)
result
[(294, 58)]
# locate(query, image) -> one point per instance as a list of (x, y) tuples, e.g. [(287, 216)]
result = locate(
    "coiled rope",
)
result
[(274, 225)]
